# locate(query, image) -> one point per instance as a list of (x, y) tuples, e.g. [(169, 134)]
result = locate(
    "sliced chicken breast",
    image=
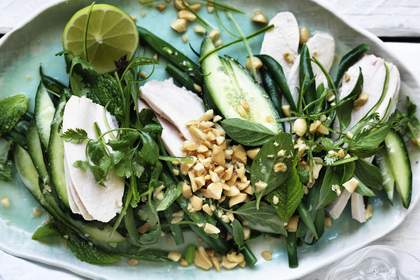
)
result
[(175, 107), (282, 42), (171, 137), (373, 70), (101, 203), (321, 46)]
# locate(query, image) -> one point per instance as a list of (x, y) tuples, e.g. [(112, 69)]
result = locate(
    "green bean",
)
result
[(275, 71), (307, 219), (54, 86), (189, 253), (306, 76), (348, 60), (182, 78), (271, 89), (292, 249), (169, 52)]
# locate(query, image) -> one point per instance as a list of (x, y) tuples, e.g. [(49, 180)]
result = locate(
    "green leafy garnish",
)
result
[(247, 133)]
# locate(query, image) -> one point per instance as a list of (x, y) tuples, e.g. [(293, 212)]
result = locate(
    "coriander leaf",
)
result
[(263, 219), (12, 110), (345, 106), (75, 136), (238, 233), (170, 196), (100, 161), (81, 164), (289, 196), (278, 150), (87, 252), (45, 233), (125, 141), (247, 133), (369, 174), (149, 151)]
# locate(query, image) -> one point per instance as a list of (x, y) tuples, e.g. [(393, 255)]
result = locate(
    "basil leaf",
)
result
[(262, 168), (289, 196), (247, 133), (170, 196), (263, 219), (345, 107), (369, 174), (238, 233)]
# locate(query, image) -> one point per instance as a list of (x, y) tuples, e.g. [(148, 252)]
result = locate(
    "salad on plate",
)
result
[(190, 168)]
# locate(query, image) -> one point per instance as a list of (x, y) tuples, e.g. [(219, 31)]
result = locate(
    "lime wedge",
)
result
[(111, 34)]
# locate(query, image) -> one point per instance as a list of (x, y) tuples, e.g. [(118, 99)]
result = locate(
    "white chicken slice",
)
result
[(101, 202), (373, 70), (175, 104), (75, 203), (374, 74), (322, 46), (283, 40), (171, 137), (358, 208)]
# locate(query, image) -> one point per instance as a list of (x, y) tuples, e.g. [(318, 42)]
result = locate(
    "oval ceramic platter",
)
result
[(39, 39)]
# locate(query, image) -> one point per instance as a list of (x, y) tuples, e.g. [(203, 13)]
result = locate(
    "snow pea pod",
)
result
[(275, 71), (348, 60), (169, 52)]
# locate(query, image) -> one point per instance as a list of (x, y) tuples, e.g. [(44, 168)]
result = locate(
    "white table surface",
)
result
[(388, 18)]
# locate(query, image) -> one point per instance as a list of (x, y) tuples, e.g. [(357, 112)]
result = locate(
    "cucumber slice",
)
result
[(35, 151), (28, 173), (382, 159), (44, 114), (235, 92), (56, 155), (400, 166)]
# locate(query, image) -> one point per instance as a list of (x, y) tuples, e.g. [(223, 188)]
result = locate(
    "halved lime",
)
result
[(111, 34)]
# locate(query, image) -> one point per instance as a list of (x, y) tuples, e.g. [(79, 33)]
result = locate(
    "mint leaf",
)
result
[(12, 109), (262, 168), (45, 233), (87, 252), (263, 219), (75, 136), (289, 196)]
